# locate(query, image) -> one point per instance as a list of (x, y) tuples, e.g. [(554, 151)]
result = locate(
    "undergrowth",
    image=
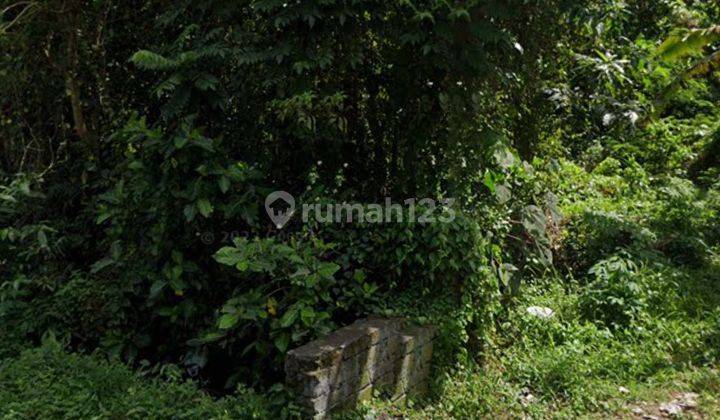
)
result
[(636, 318)]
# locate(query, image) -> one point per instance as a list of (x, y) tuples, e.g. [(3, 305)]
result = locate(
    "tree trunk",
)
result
[(72, 83)]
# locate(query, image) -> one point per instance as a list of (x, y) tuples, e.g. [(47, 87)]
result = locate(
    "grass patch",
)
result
[(49, 383)]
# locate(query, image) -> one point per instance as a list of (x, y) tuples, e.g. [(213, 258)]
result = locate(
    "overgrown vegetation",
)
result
[(47, 383), (573, 146)]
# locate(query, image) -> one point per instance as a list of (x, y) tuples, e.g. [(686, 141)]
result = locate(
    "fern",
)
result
[(216, 51), (169, 84), (206, 81), (149, 60)]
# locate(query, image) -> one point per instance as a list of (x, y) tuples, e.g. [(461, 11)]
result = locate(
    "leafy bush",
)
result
[(666, 218), (27, 244), (292, 291), (79, 309), (685, 221), (596, 234), (23, 237), (615, 297), (48, 383), (286, 294), (445, 260)]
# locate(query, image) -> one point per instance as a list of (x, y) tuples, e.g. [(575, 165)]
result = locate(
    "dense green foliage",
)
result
[(47, 383), (643, 318), (183, 120), (573, 146)]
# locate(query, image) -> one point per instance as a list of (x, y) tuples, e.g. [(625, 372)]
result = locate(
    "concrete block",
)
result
[(373, 355)]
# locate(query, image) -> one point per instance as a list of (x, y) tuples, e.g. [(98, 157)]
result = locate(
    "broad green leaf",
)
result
[(489, 181), (289, 317), (327, 270), (204, 207), (103, 217), (282, 341), (156, 288), (180, 141), (99, 265), (228, 321), (228, 255), (224, 184), (307, 315)]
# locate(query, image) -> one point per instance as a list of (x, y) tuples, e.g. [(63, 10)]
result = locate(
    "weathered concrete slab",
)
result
[(381, 355)]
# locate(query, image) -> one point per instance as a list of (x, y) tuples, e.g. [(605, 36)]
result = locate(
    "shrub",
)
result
[(608, 167), (76, 307), (685, 218), (24, 239), (595, 234), (286, 293), (434, 262), (615, 298)]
